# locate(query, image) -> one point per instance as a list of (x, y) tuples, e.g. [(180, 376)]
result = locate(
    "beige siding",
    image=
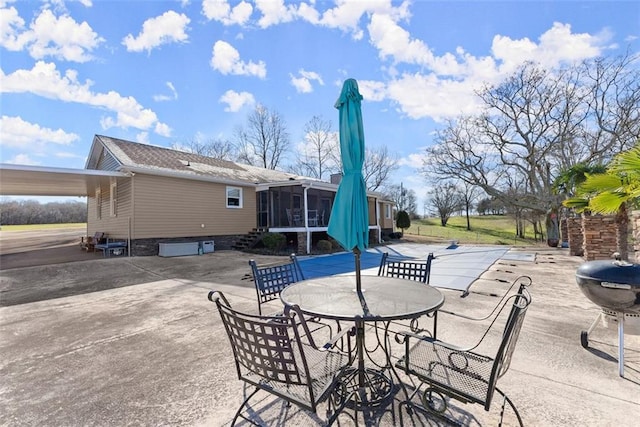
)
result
[(115, 226), (171, 207), (384, 221)]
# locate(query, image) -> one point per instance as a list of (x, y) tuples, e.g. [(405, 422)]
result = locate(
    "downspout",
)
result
[(306, 220), (378, 220), (132, 215)]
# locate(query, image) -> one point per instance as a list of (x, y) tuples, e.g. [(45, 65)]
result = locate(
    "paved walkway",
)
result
[(149, 349)]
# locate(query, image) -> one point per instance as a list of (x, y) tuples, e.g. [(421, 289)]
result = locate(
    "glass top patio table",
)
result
[(382, 298)]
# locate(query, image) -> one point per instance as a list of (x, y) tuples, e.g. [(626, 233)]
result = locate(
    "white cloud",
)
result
[(48, 35), (22, 159), (414, 160), (173, 97), (46, 81), (68, 155), (162, 129), (556, 45), (235, 101), (11, 25), (303, 82), (275, 12), (425, 95), (444, 86), (221, 11), (143, 137), (18, 133), (226, 59), (371, 90), (167, 28), (347, 14)]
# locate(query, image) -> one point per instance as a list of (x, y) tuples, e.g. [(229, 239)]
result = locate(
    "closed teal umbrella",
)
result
[(349, 221)]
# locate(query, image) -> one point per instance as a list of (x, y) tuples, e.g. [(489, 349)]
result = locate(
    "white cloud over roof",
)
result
[(45, 80)]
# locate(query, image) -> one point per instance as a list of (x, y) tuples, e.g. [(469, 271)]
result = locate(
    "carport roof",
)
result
[(21, 180)]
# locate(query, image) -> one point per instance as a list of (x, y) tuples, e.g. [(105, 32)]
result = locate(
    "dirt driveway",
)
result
[(47, 264), (42, 247)]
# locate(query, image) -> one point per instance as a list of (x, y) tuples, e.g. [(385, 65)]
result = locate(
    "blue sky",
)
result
[(165, 72)]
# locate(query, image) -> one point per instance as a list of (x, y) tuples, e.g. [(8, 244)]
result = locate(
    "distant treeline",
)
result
[(20, 212)]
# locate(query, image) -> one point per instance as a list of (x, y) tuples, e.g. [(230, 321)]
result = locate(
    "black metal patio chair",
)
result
[(410, 269), (520, 281), (462, 373), (271, 279), (404, 268), (279, 356)]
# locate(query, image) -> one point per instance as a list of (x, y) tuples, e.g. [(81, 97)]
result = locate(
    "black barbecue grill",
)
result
[(613, 285)]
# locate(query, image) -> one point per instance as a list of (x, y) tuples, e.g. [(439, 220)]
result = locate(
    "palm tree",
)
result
[(612, 192), (607, 193), (565, 185)]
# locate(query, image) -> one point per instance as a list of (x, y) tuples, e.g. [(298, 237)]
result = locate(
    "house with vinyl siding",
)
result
[(164, 196)]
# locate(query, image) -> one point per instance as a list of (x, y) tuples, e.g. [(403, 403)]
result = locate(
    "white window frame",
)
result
[(227, 197), (113, 197), (98, 203), (387, 211)]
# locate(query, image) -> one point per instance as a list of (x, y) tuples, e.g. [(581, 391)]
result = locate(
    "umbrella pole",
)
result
[(356, 253)]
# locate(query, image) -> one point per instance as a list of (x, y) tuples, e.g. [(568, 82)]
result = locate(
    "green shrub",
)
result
[(403, 221), (324, 246), (274, 241)]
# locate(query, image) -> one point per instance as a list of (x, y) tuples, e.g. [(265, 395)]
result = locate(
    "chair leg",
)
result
[(505, 400), (235, 417)]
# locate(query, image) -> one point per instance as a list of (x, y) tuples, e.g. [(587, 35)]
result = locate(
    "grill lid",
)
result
[(611, 273)]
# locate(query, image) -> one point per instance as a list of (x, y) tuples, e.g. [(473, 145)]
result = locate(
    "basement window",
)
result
[(234, 197)]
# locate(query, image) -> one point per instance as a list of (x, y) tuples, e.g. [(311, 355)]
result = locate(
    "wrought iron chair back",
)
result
[(270, 353), (411, 269), (462, 373), (271, 279)]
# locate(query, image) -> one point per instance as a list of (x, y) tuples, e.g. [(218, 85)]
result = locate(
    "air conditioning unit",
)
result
[(208, 246), (178, 249)]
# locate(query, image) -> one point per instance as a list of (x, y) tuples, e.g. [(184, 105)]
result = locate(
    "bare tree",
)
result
[(378, 166), (19, 212), (404, 198), (264, 141), (318, 156), (445, 200), (214, 147), (469, 194), (537, 123)]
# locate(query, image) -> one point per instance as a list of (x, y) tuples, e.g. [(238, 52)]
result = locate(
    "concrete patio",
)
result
[(134, 341)]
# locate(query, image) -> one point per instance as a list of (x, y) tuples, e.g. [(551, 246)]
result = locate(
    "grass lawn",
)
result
[(28, 227), (485, 229)]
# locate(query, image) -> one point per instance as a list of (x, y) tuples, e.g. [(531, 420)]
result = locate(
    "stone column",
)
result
[(600, 241), (576, 238)]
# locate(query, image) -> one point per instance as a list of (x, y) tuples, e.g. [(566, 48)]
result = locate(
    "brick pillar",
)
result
[(373, 237), (302, 243), (635, 227), (576, 238), (599, 237)]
